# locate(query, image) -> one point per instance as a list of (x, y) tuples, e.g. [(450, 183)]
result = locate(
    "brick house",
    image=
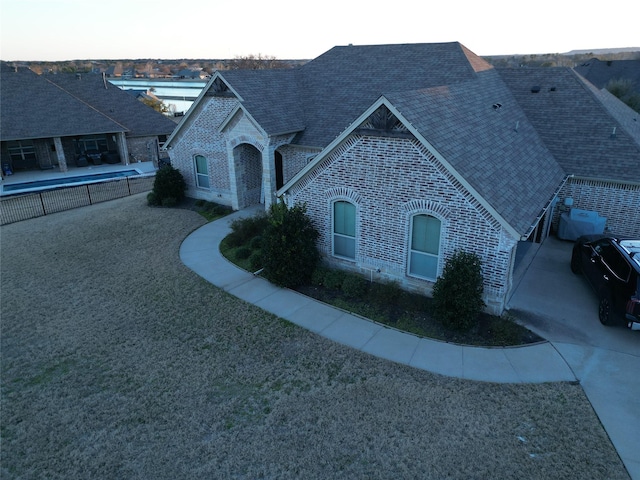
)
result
[(50, 121), (405, 153)]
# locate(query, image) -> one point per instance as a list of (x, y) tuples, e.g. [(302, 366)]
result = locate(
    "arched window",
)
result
[(202, 171), (424, 251), (344, 230)]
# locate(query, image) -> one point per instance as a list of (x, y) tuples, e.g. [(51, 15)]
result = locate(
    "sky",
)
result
[(57, 30)]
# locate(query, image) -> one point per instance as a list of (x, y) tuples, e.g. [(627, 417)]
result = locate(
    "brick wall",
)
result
[(295, 159), (618, 203), (143, 149), (200, 136), (389, 181)]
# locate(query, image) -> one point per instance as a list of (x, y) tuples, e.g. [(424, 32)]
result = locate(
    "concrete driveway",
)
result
[(562, 308)]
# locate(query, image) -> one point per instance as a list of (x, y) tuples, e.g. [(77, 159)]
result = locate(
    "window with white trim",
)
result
[(424, 251), (202, 171), (344, 229)]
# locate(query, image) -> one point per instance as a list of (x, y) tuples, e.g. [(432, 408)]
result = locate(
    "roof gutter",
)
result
[(606, 180), (550, 203)]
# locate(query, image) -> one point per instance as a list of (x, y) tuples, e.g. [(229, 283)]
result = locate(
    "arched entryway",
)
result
[(248, 167)]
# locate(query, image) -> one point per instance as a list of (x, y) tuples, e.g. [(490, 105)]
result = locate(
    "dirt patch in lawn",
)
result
[(117, 361)]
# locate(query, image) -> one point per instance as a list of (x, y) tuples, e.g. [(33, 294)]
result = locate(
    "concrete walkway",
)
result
[(562, 307), (555, 304), (527, 364)]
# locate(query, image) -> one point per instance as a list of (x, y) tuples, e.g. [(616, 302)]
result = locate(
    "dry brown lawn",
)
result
[(120, 363)]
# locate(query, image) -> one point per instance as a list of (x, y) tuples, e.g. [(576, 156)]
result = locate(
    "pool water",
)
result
[(53, 182)]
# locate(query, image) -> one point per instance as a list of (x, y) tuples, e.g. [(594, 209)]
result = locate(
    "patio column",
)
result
[(123, 150), (62, 160), (268, 175)]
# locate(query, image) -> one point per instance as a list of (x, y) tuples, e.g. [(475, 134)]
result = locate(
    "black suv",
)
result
[(612, 267)]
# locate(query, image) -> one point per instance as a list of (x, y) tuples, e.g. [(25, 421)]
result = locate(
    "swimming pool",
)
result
[(56, 182)]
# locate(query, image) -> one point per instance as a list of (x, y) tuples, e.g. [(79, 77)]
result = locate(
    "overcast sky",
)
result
[(287, 29)]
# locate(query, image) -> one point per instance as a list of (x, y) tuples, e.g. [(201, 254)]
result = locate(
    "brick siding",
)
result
[(201, 137), (619, 203), (389, 181)]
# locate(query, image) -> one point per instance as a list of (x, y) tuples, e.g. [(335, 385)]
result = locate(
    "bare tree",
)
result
[(256, 62)]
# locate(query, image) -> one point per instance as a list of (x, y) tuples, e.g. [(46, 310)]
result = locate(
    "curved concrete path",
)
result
[(527, 364), (562, 308)]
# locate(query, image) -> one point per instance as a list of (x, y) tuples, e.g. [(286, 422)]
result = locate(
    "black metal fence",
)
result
[(23, 207)]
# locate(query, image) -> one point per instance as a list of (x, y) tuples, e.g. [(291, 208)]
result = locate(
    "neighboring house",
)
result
[(601, 72), (52, 120), (191, 73), (114, 71), (404, 154)]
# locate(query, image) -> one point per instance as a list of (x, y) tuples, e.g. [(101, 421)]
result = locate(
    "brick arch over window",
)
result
[(343, 193), (428, 207)]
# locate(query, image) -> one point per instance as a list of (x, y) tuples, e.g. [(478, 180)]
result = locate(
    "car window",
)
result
[(616, 262), (602, 246)]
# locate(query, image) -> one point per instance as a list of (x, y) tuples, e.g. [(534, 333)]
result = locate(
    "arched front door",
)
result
[(248, 167)]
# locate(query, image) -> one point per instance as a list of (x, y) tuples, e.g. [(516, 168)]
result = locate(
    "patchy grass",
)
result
[(119, 362)]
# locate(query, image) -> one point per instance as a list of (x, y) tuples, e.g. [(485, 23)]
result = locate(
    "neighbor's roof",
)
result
[(576, 122), (34, 108), (139, 119), (599, 72)]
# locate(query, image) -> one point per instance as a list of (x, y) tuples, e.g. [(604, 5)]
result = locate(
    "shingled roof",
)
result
[(61, 105), (480, 129), (343, 82), (139, 119), (322, 97), (590, 133), (271, 96), (600, 73), (34, 108)]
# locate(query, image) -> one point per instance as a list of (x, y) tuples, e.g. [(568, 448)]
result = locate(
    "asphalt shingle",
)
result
[(35, 108)]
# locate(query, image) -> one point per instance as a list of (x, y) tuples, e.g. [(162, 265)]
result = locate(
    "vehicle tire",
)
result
[(605, 313), (576, 267)]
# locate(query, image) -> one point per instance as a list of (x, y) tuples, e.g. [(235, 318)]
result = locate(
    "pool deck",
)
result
[(55, 173)]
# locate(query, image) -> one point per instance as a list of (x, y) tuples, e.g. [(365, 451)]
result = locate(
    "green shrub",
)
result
[(318, 275), (255, 260), (152, 199), (243, 253), (289, 248), (355, 286), (169, 202), (244, 229), (385, 293), (169, 184), (457, 294), (333, 279), (216, 208), (256, 242)]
